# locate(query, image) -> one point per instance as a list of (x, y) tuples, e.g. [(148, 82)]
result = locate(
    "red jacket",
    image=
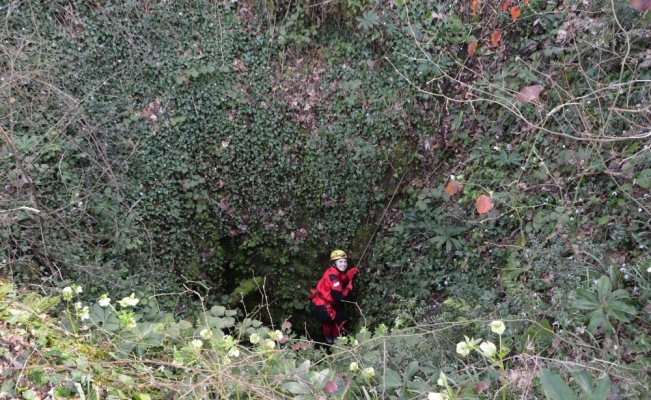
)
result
[(334, 286)]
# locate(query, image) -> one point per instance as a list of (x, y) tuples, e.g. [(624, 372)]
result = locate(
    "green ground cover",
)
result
[(195, 152)]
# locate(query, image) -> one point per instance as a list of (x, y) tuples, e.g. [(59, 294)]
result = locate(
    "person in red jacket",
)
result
[(335, 285)]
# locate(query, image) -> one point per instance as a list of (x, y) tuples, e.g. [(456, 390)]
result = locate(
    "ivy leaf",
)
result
[(495, 38), (368, 20), (515, 13), (453, 188), (484, 204), (529, 93), (471, 48), (641, 5)]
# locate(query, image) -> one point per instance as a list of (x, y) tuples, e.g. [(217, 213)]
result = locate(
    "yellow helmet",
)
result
[(337, 255)]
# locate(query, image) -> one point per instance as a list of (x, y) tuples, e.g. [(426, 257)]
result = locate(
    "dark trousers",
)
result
[(332, 321)]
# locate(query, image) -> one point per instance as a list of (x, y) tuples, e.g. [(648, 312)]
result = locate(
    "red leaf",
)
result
[(641, 5), (484, 204), (330, 387), (305, 346), (474, 6), (495, 38), (453, 188), (506, 5), (471, 48), (525, 2), (481, 386), (284, 339), (515, 13), (296, 346), (287, 325), (529, 93)]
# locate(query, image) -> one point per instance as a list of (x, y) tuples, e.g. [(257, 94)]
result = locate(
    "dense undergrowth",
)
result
[(196, 152)]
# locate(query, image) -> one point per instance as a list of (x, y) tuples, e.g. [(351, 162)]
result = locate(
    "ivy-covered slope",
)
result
[(179, 142)]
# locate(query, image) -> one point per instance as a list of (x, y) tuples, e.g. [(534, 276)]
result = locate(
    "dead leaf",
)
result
[(515, 13), (238, 65), (471, 48), (641, 5), (453, 188), (481, 386), (529, 93), (495, 38), (525, 2), (547, 277), (506, 5), (474, 6), (484, 204)]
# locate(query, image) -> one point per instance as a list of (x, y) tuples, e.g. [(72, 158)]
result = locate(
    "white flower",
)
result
[(205, 333), (104, 301), (84, 314), (234, 352), (196, 343), (353, 366), (270, 344), (67, 293), (276, 335), (443, 380), (254, 338), (497, 327), (78, 305), (435, 396), (488, 349), (78, 289), (463, 348), (368, 372), (648, 270), (129, 301)]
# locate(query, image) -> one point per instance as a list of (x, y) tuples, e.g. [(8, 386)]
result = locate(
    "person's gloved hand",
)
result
[(349, 287), (351, 273)]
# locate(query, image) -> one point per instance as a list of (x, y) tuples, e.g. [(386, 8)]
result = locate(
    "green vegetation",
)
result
[(483, 162)]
